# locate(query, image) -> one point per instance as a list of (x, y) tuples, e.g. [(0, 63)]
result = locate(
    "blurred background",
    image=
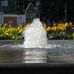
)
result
[(52, 9)]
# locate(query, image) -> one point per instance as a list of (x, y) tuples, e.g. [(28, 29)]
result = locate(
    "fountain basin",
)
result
[(11, 53)]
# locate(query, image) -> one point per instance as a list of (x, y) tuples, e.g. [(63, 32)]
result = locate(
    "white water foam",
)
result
[(35, 36)]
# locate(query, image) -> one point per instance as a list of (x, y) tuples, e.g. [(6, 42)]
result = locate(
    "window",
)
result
[(4, 3)]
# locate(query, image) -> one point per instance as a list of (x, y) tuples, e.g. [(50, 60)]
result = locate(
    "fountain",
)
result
[(35, 37), (36, 49)]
